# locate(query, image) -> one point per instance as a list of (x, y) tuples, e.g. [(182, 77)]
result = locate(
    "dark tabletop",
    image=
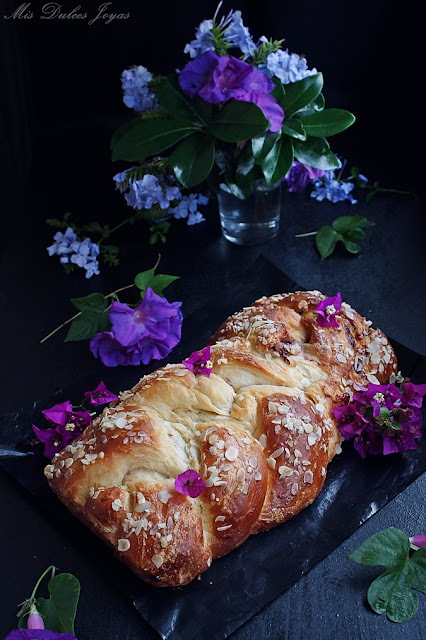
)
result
[(65, 166)]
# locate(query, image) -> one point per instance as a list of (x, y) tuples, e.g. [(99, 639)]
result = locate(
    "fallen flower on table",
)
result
[(393, 591), (68, 423), (58, 612), (383, 419), (128, 334)]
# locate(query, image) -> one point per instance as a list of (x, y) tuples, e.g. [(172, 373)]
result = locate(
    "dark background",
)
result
[(62, 99)]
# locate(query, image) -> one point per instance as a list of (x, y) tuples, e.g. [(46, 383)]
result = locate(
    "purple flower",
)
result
[(327, 310), (418, 541), (299, 176), (69, 424), (199, 362), (100, 395), (146, 333), (198, 73), (38, 634), (350, 421), (35, 621), (190, 483), (270, 107), (378, 420), (413, 394)]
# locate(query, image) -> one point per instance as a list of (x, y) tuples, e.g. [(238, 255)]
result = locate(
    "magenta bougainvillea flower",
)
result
[(67, 425), (100, 395), (300, 175), (199, 362), (380, 420), (327, 310), (38, 634), (418, 541), (64, 415), (190, 483), (146, 333)]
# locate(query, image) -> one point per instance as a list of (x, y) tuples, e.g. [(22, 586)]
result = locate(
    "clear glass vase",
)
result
[(252, 221)]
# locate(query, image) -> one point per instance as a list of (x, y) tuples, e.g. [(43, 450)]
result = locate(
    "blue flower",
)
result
[(137, 94), (333, 189), (203, 40), (237, 35), (81, 253), (287, 67), (188, 208)]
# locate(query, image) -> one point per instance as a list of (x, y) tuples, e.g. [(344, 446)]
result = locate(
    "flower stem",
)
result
[(52, 568), (304, 235), (60, 327)]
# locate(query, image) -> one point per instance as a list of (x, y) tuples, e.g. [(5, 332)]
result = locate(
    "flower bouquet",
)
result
[(240, 115)]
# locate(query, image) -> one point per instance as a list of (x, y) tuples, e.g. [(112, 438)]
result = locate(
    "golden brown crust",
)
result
[(260, 430)]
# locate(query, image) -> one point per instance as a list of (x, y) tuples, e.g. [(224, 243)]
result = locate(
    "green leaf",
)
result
[(327, 122), (245, 162), (315, 152), (157, 282), (325, 241), (417, 565), (390, 592), (64, 591), (350, 246), (238, 121), (278, 161), (92, 301), (144, 138), (294, 128), (239, 190), (177, 103), (86, 324), (262, 144), (193, 159), (278, 92), (347, 223), (389, 547), (46, 609), (301, 93), (354, 235)]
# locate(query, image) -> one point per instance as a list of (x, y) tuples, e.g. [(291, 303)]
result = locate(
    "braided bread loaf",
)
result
[(259, 429)]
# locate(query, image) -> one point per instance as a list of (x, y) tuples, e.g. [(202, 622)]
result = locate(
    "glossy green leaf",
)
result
[(315, 152), (146, 138), (64, 591), (278, 92), (325, 241), (301, 93), (193, 159), (278, 161), (327, 122), (158, 282), (179, 105), (294, 129), (262, 144), (86, 324), (238, 121), (245, 162), (346, 223), (350, 246), (93, 301)]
